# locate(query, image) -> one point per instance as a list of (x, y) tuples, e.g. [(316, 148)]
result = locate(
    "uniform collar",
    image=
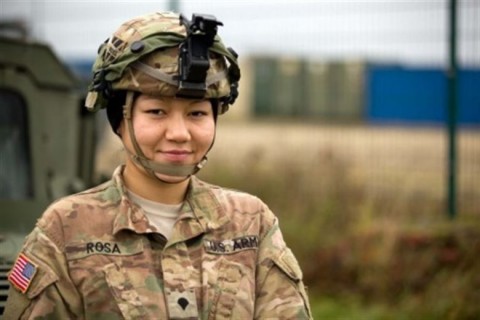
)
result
[(200, 213), (129, 215)]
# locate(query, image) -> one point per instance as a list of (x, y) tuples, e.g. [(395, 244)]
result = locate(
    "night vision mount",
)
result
[(193, 59)]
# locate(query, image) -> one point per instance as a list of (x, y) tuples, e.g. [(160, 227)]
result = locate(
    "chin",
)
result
[(170, 179)]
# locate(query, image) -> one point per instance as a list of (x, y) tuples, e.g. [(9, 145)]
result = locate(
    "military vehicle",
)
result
[(46, 141)]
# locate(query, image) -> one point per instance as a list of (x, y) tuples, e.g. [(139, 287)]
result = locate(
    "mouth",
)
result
[(176, 155)]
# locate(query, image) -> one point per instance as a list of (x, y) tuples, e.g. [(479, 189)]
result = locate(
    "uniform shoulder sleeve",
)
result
[(280, 290), (40, 285), (29, 278)]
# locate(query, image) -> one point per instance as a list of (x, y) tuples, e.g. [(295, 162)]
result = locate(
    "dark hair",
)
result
[(215, 104), (117, 100), (115, 109)]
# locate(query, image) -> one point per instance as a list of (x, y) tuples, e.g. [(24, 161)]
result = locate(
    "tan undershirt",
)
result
[(162, 216)]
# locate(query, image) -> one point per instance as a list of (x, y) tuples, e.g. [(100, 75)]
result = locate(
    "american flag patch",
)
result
[(22, 273)]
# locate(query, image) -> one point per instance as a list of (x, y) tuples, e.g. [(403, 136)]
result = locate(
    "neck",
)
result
[(143, 184)]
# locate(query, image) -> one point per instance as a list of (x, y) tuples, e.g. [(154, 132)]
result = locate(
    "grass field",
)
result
[(363, 208), (404, 161)]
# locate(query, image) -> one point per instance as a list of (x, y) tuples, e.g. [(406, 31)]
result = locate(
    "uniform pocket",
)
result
[(95, 267), (288, 264), (125, 295), (226, 289), (34, 280)]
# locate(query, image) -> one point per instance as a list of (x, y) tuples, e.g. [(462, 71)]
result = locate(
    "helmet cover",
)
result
[(152, 42)]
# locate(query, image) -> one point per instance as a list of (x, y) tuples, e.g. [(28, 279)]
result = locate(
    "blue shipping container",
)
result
[(419, 95)]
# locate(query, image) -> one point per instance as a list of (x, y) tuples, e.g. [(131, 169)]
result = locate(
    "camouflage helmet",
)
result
[(143, 56)]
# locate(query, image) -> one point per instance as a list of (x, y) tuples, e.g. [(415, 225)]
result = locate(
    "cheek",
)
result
[(207, 134), (145, 134)]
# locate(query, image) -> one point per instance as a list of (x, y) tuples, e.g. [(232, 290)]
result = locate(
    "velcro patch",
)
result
[(231, 245), (82, 250), (22, 273)]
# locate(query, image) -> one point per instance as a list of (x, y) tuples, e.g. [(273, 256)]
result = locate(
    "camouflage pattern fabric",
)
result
[(158, 35), (99, 258), (166, 60)]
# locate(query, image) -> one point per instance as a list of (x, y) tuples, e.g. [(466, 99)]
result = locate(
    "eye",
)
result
[(156, 111), (199, 113), (200, 109)]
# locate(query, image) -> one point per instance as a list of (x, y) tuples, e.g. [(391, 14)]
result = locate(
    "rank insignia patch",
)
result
[(22, 273)]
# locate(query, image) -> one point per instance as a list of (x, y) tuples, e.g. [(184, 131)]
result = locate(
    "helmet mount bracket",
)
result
[(193, 59)]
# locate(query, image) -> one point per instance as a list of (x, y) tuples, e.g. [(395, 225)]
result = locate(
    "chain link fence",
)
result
[(390, 84)]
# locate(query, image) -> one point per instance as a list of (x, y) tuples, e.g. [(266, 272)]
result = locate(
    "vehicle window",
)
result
[(15, 172)]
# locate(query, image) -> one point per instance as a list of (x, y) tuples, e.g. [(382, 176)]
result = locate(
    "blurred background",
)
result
[(358, 123)]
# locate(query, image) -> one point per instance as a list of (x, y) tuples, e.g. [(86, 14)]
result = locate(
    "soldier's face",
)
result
[(171, 130)]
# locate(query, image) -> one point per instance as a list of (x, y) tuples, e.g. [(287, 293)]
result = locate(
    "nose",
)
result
[(177, 128)]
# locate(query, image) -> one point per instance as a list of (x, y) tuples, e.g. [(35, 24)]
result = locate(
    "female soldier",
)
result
[(155, 242)]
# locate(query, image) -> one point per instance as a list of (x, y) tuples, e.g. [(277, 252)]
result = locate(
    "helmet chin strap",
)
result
[(150, 166)]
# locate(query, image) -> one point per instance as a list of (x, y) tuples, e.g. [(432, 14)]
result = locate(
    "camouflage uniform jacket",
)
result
[(97, 257)]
